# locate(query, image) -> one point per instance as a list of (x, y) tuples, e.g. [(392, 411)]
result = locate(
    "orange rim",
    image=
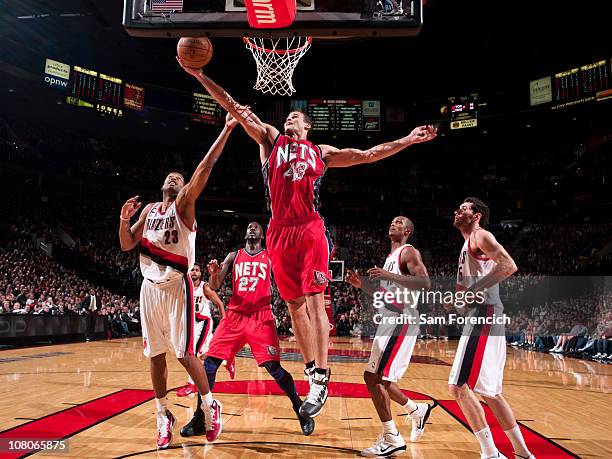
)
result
[(252, 45)]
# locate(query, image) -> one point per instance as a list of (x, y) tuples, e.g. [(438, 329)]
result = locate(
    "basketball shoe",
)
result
[(308, 375), (418, 418), (231, 368), (196, 426), (307, 424), (317, 395), (213, 421), (386, 445), (186, 390), (499, 456), (164, 429)]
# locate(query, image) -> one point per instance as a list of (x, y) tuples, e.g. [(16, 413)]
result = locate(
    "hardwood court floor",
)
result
[(98, 394)]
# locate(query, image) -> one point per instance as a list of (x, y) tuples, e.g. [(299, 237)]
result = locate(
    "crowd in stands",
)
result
[(84, 230)]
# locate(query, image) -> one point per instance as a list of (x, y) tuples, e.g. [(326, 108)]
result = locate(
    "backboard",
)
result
[(316, 18)]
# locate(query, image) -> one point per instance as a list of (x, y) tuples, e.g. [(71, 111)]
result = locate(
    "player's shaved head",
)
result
[(407, 223)]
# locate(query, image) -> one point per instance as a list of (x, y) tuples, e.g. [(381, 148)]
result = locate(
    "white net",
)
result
[(276, 59)]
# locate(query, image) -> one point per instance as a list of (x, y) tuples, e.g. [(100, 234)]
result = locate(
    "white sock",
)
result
[(389, 427), (162, 405), (191, 381), (410, 406), (207, 401), (518, 442), (485, 439)]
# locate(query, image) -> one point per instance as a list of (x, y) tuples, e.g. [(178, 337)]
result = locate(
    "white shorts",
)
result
[(480, 359), (167, 313), (392, 350), (203, 335)]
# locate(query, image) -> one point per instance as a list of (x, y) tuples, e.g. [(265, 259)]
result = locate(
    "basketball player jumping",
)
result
[(481, 353), (204, 298), (299, 246), (165, 235), (249, 320), (393, 344)]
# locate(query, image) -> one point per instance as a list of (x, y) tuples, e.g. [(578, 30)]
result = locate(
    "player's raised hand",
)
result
[(213, 267), (378, 273), (130, 207), (422, 134), (230, 121), (353, 278), (191, 71)]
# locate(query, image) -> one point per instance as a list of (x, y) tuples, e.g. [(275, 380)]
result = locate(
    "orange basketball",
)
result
[(194, 52)]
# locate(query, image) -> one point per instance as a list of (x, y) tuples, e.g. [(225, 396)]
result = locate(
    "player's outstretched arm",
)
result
[(505, 265), (355, 279), (129, 236), (212, 296), (346, 157), (262, 133), (185, 201), (219, 273)]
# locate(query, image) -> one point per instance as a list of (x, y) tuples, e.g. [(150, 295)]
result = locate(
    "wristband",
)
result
[(124, 219)]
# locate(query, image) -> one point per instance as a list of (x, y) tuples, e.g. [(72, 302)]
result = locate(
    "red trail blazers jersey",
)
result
[(292, 178), (250, 281)]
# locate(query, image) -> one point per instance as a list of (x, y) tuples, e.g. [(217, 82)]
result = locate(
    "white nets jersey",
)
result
[(472, 268), (167, 247)]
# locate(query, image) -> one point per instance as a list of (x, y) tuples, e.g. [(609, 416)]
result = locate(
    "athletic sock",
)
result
[(389, 427), (310, 364), (410, 406), (162, 405), (207, 400), (485, 439), (518, 442)]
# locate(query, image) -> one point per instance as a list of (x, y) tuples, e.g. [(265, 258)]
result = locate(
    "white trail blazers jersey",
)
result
[(167, 247), (472, 268), (202, 304), (392, 264)]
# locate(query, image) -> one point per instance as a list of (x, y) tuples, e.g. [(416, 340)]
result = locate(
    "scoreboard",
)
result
[(87, 88), (109, 95), (133, 97), (464, 112), (84, 84), (347, 115), (206, 110), (578, 85)]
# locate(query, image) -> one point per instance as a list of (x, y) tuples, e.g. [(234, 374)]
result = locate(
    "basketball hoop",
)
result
[(276, 59)]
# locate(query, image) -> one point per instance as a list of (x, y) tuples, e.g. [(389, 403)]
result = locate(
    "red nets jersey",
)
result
[(250, 281), (292, 178)]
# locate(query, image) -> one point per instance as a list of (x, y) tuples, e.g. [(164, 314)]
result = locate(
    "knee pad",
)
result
[(212, 364), (275, 370)]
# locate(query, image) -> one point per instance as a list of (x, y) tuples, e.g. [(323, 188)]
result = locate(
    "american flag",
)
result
[(167, 5)]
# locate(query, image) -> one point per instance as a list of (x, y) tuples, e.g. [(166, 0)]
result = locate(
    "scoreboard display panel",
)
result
[(345, 115), (206, 110), (84, 84), (581, 84), (109, 95), (133, 97)]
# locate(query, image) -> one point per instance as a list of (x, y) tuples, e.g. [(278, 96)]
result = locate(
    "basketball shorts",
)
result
[(300, 256), (480, 358), (203, 335), (257, 329), (167, 315), (392, 349)]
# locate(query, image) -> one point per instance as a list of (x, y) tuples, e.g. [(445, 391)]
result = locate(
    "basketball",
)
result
[(194, 52)]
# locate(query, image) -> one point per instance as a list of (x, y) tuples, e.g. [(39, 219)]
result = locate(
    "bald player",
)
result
[(393, 344)]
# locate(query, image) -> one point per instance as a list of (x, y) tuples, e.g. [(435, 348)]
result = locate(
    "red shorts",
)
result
[(256, 329), (300, 257)]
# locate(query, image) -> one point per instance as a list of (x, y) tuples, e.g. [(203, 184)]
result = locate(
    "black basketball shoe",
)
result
[(195, 426), (317, 395)]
